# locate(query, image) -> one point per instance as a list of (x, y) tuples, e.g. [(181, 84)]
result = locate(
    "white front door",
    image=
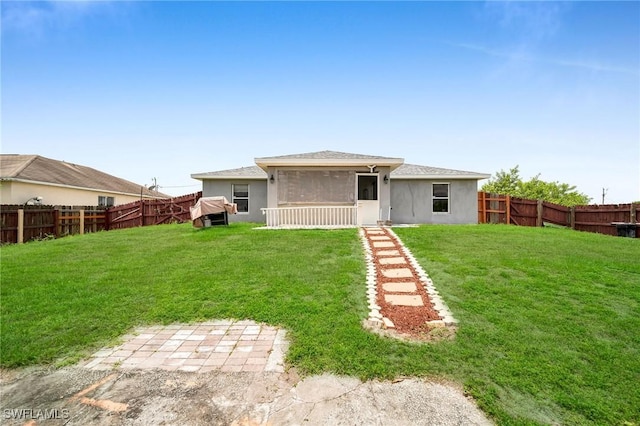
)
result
[(368, 199)]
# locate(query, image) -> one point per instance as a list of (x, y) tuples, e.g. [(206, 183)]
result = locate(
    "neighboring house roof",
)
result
[(414, 171), (45, 171), (328, 158), (251, 172)]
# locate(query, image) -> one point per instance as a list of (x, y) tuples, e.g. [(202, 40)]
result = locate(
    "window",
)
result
[(441, 198), (367, 187), (104, 201), (241, 197)]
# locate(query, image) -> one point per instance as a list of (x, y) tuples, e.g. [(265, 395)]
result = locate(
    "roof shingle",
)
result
[(36, 168)]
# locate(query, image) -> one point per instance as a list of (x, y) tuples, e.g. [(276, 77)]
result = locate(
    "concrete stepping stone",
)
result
[(392, 260), (400, 287), (388, 253), (382, 244), (379, 238), (397, 273), (402, 300), (375, 232)]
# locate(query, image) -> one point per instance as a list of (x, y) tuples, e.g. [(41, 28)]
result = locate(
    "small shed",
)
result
[(209, 211)]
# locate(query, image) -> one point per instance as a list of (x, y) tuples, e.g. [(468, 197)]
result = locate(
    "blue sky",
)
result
[(166, 89)]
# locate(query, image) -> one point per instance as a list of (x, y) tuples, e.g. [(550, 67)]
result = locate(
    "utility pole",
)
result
[(604, 192)]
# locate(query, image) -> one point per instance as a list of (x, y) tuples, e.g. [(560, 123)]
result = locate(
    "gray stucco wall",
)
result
[(257, 197), (411, 201)]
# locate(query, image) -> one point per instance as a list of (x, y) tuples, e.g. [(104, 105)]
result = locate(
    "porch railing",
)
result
[(311, 216)]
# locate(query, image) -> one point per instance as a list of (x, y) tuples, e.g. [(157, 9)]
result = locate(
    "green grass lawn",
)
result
[(550, 318)]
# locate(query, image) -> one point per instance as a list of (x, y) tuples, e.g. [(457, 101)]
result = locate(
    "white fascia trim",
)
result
[(59, 185), (223, 177), (440, 177)]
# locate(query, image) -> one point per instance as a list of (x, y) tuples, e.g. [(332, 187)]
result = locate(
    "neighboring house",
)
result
[(33, 179), (341, 189)]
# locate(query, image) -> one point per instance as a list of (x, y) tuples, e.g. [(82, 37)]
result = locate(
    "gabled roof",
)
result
[(414, 171), (328, 158), (251, 172), (42, 170)]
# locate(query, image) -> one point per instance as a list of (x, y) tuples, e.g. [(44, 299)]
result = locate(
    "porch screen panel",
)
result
[(316, 187)]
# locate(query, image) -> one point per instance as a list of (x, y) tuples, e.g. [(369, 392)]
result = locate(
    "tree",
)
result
[(505, 183), (510, 183)]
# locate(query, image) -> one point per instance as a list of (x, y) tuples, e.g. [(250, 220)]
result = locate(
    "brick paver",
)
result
[(409, 287), (392, 260), (403, 300), (383, 244), (397, 273), (224, 345), (388, 253)]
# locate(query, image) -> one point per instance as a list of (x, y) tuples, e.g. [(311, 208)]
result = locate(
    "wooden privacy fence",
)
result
[(25, 223), (152, 212), (20, 223), (493, 208)]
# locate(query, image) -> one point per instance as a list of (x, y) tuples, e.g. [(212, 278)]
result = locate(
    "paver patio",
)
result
[(224, 345)]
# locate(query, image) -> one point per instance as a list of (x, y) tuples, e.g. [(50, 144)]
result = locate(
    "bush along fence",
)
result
[(610, 219), (20, 223)]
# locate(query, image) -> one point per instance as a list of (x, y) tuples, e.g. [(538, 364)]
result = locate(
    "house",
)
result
[(33, 179), (341, 189)]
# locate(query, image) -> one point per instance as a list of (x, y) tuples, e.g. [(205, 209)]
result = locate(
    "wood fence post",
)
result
[(633, 213), (508, 201), (539, 213), (107, 219), (81, 221), (572, 217), (56, 222), (20, 237)]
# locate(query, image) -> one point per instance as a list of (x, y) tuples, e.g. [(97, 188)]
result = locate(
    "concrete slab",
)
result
[(400, 287), (392, 260), (403, 300), (388, 253), (382, 244), (397, 273), (379, 238)]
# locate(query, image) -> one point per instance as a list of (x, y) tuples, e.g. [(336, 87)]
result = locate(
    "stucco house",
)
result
[(330, 188), (33, 179)]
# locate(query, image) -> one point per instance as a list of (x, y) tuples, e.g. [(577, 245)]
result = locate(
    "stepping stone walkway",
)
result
[(401, 295)]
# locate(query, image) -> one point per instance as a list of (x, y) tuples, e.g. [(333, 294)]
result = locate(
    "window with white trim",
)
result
[(440, 198), (104, 201), (241, 197)]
